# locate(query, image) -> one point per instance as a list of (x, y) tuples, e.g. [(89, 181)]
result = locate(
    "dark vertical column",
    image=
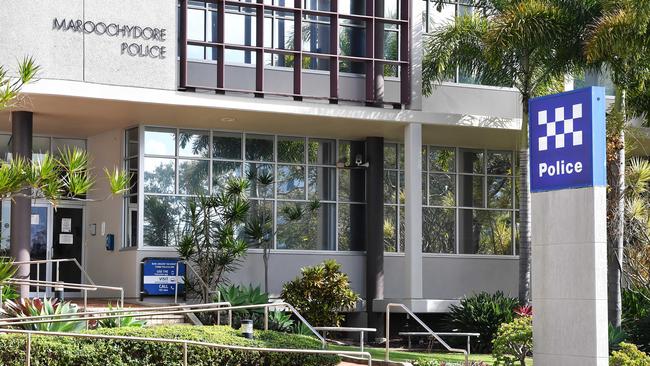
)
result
[(374, 229), (297, 46), (259, 55), (379, 52), (221, 57), (21, 207), (182, 46)]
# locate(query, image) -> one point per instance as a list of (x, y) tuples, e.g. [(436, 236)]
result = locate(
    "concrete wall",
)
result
[(448, 277), (116, 268), (444, 277), (28, 29), (280, 80), (468, 99)]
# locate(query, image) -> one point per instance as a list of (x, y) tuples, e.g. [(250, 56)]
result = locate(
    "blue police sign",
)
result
[(159, 277), (567, 140)]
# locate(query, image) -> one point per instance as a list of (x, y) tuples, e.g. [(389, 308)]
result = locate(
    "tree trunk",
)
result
[(524, 209), (615, 214), (265, 257)]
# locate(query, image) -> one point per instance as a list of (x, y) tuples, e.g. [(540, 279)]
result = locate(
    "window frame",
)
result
[(456, 173), (243, 160)]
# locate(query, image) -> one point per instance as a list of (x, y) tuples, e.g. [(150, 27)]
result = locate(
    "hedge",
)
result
[(68, 351)]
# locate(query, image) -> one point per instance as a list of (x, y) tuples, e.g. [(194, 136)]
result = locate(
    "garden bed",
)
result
[(66, 351)]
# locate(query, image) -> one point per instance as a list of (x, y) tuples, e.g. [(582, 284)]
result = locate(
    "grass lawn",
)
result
[(398, 355)]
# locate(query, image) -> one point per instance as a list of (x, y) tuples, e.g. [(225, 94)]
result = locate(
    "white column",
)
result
[(569, 277), (413, 209)]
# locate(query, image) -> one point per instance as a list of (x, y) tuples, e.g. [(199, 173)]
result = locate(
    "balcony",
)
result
[(231, 46)]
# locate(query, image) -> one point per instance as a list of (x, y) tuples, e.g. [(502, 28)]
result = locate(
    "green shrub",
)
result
[(629, 355), (7, 271), (636, 317), (61, 351), (639, 333), (320, 293), (615, 336), (280, 321), (482, 313), (124, 321), (514, 341), (238, 295)]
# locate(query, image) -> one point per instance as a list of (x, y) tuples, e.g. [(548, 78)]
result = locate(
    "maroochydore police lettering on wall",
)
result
[(126, 32), (567, 140)]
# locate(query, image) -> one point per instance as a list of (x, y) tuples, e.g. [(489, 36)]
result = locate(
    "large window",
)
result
[(182, 163), (279, 34), (468, 200)]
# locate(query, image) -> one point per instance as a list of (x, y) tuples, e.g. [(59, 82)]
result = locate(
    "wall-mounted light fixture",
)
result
[(357, 164)]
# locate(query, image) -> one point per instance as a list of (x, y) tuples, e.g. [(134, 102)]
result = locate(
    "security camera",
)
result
[(358, 160)]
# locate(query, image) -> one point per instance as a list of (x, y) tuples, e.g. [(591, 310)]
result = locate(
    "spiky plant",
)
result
[(10, 86), (25, 308)]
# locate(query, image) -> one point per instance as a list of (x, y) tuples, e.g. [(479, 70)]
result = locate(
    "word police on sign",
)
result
[(566, 138), (159, 277), (126, 32)]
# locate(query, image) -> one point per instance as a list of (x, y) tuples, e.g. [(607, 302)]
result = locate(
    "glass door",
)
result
[(40, 249)]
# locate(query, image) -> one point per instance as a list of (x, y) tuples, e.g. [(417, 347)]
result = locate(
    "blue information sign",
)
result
[(567, 140), (159, 277)]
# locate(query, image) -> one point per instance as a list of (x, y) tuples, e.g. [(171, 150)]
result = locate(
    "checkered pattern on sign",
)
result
[(560, 129)]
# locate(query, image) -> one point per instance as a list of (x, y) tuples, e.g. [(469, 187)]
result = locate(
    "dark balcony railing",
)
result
[(373, 60)]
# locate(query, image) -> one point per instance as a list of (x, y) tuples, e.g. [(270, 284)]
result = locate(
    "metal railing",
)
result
[(204, 285), (167, 310), (91, 286), (185, 343), (66, 285), (58, 267), (432, 333)]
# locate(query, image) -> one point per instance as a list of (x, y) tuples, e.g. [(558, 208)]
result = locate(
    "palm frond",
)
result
[(454, 44)]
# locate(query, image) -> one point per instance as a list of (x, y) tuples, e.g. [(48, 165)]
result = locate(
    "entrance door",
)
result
[(55, 234), (67, 238), (40, 248)]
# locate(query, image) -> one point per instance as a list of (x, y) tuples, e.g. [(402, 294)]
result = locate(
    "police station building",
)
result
[(418, 198)]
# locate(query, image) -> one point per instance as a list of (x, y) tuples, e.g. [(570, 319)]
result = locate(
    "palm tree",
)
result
[(528, 44), (618, 40)]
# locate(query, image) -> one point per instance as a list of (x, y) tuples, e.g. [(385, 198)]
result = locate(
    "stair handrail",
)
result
[(28, 345), (67, 285), (182, 309), (431, 332)]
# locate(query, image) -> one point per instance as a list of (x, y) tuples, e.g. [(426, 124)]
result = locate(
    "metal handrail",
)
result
[(73, 286), (184, 343), (58, 261), (434, 334), (152, 310), (83, 271), (196, 274), (182, 310)]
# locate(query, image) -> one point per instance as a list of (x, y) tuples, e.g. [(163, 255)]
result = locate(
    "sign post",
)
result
[(159, 277), (569, 235)]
